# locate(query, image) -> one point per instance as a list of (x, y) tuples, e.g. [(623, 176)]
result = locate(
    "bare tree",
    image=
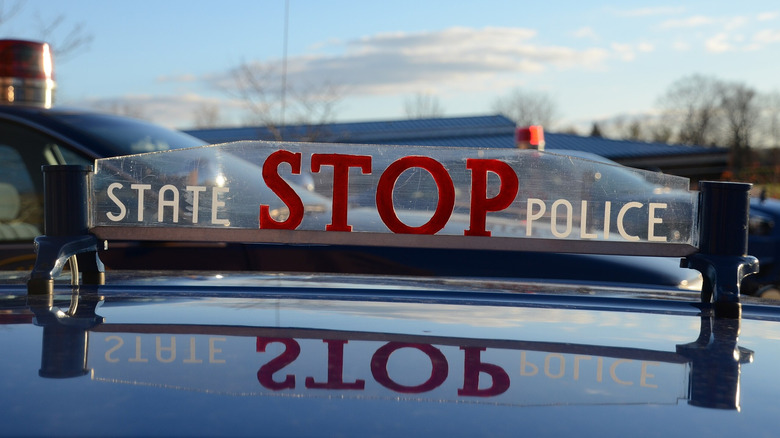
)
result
[(314, 103), (709, 111), (769, 127), (570, 130), (741, 115), (527, 107), (272, 104), (595, 131), (125, 108), (660, 133), (207, 115), (8, 11), (635, 131), (64, 39), (621, 127), (422, 105), (645, 127), (691, 104)]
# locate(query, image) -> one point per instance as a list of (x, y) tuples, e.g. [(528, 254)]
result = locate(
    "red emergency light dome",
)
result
[(530, 137), (26, 73)]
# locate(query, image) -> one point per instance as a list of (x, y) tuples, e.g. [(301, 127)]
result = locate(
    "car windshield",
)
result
[(126, 136)]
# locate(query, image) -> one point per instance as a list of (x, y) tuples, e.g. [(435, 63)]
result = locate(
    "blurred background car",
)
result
[(764, 243)]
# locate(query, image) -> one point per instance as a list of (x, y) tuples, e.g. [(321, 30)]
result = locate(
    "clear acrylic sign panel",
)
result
[(393, 195)]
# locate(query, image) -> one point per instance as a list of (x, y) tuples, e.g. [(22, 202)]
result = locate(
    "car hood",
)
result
[(768, 205), (270, 355)]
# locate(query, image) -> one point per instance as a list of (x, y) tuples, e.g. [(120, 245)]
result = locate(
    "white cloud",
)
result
[(457, 57), (646, 12), (177, 78), (624, 51), (627, 52), (727, 33), (645, 47), (586, 32), (767, 16), (694, 21), (718, 43), (735, 22), (725, 41), (767, 36)]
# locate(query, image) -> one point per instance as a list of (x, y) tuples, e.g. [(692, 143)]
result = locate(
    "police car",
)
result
[(95, 352)]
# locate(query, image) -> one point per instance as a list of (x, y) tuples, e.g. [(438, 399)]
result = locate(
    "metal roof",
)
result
[(394, 131), (492, 131), (622, 148)]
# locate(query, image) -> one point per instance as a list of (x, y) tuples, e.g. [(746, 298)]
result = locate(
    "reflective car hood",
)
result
[(273, 355), (768, 205)]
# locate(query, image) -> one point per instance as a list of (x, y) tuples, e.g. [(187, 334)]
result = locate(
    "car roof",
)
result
[(97, 134), (202, 353)]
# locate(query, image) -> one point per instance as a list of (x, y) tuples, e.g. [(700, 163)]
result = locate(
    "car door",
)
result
[(23, 150)]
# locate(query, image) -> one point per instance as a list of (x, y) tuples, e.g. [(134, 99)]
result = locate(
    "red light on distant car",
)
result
[(26, 73), (530, 137)]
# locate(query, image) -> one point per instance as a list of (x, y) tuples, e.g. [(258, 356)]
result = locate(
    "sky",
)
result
[(168, 59)]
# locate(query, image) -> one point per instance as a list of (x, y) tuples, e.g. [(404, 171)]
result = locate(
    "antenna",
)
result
[(284, 64)]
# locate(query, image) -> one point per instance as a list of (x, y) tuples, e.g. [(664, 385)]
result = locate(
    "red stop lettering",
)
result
[(384, 195), (341, 164), (282, 190), (439, 367), (265, 375), (335, 369), (473, 366), (480, 203)]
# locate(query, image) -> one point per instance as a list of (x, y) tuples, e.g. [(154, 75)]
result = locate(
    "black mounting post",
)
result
[(65, 334), (715, 363), (724, 209), (65, 229)]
